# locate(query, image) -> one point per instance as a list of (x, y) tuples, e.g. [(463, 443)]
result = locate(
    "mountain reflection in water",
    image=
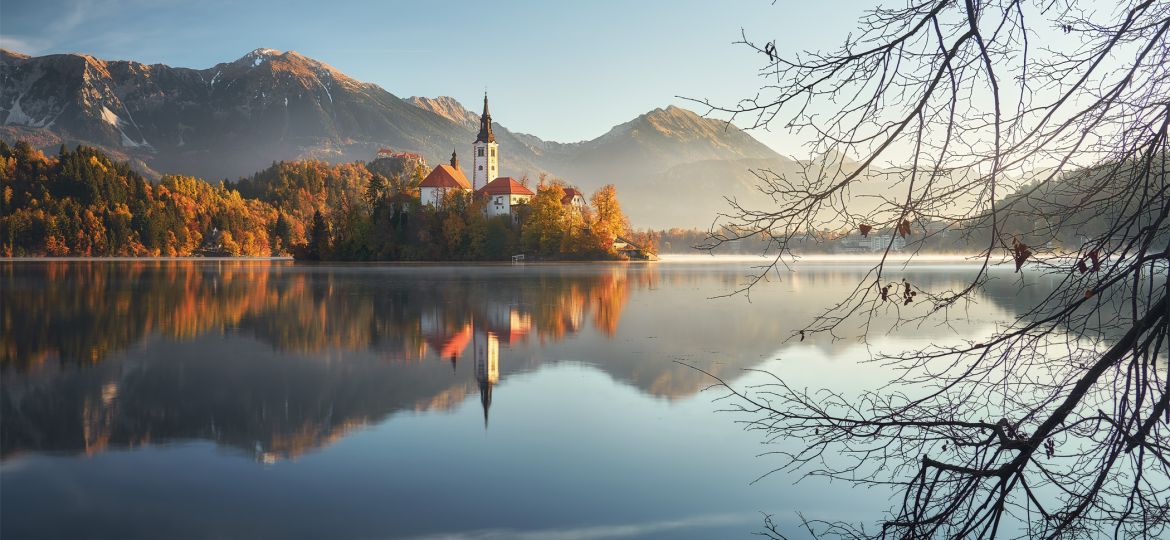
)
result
[(267, 399), (275, 359)]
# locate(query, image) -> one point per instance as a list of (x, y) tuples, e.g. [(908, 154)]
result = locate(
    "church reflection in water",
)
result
[(275, 359), (503, 322), (271, 358), (487, 370)]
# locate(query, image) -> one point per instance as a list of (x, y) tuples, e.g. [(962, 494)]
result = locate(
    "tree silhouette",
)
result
[(1038, 130)]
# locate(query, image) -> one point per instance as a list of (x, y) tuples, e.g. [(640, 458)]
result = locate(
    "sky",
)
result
[(564, 71)]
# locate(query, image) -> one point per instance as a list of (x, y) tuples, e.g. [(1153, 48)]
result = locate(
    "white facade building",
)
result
[(879, 242), (503, 195), (443, 179), (485, 152), (574, 197)]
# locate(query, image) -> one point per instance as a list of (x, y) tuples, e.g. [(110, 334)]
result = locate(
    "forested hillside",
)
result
[(81, 202)]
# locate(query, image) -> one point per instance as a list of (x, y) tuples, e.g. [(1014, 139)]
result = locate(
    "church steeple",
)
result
[(454, 159), (485, 165), (485, 124)]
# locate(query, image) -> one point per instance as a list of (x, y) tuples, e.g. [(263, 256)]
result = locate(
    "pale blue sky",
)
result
[(563, 71)]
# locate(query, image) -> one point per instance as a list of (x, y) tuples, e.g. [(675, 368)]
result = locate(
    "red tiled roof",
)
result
[(505, 185), (569, 194), (445, 176)]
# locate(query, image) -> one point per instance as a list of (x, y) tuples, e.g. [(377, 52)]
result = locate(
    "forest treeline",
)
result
[(81, 202)]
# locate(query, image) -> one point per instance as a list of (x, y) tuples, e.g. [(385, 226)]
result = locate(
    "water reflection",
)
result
[(80, 312), (273, 359), (85, 368)]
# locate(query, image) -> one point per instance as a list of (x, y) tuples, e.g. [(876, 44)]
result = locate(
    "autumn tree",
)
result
[(1038, 131), (545, 226), (608, 221), (81, 202)]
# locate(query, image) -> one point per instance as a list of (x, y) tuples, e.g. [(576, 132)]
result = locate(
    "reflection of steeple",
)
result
[(485, 399), (487, 369), (405, 319)]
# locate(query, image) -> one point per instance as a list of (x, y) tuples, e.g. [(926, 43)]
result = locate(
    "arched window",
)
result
[(479, 152)]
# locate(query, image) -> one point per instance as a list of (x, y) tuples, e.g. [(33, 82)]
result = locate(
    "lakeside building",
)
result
[(485, 151), (503, 193), (485, 166), (442, 179), (574, 197), (874, 242)]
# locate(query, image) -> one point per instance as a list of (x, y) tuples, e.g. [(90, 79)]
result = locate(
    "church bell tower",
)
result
[(485, 151)]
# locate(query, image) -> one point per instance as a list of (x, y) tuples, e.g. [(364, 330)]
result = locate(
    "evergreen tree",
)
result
[(281, 233), (318, 238)]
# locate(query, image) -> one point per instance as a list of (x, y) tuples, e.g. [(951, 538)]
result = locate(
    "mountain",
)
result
[(448, 108), (238, 117), (672, 167), (663, 138), (223, 121)]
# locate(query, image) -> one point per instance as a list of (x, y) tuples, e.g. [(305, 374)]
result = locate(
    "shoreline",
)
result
[(669, 258), (128, 259)]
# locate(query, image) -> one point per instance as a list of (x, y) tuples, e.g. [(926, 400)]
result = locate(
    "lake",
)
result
[(271, 399)]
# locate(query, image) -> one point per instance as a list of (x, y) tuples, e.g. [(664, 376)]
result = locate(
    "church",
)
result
[(503, 193)]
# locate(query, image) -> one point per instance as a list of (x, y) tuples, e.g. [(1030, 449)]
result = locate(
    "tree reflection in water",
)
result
[(274, 358)]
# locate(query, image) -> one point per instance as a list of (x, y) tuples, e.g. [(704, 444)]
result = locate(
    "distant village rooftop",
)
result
[(400, 154), (573, 196)]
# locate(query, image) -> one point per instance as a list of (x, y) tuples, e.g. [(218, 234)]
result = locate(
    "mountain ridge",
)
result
[(237, 117)]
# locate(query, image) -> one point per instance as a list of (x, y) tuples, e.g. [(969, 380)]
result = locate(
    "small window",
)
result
[(481, 167), (479, 152), (493, 152)]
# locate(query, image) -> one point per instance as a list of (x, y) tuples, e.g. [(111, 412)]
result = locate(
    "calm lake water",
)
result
[(267, 399)]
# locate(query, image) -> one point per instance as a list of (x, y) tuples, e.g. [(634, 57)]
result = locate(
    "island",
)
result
[(82, 202)]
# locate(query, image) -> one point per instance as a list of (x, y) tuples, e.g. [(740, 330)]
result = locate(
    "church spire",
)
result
[(454, 159), (485, 124)]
